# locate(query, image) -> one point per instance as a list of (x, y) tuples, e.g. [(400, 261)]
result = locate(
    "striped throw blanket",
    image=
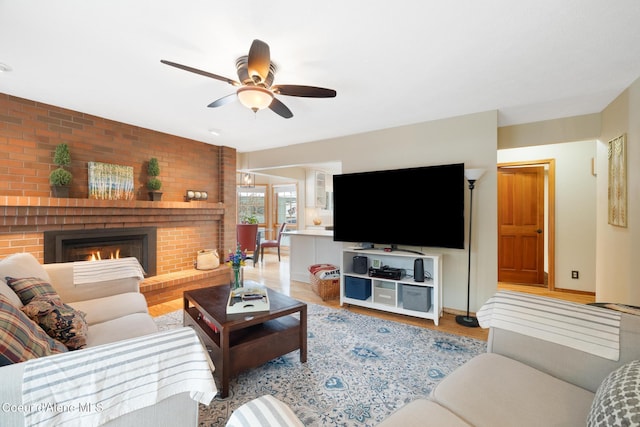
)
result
[(85, 272), (93, 386), (583, 327)]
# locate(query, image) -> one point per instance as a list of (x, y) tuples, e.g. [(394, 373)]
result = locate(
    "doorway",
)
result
[(526, 225)]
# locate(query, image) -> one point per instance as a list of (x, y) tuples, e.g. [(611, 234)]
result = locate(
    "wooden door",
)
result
[(521, 225)]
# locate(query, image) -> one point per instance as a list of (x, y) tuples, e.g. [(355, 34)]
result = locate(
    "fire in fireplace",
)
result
[(97, 255), (87, 245)]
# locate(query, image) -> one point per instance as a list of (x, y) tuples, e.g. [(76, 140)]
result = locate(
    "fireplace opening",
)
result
[(88, 245)]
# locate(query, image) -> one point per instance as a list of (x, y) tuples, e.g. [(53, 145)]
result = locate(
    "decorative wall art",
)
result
[(617, 153), (110, 182)]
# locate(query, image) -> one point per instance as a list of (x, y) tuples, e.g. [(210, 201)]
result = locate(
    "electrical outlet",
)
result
[(575, 274)]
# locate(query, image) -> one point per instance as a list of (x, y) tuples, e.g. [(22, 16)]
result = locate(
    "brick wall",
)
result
[(29, 133)]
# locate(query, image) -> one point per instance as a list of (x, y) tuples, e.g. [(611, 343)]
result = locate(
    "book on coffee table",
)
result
[(248, 299)]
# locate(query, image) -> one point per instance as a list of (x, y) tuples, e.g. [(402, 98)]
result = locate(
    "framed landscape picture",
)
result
[(617, 153), (110, 182)]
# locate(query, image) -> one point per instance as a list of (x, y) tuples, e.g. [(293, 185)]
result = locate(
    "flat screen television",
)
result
[(421, 206)]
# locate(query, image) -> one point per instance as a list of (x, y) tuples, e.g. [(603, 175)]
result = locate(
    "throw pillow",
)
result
[(20, 338), (264, 411), (59, 320), (22, 264), (10, 294), (29, 287), (617, 400)]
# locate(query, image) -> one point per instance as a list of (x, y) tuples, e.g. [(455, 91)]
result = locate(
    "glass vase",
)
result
[(237, 277)]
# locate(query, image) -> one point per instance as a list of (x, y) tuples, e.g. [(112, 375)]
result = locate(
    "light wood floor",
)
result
[(275, 275)]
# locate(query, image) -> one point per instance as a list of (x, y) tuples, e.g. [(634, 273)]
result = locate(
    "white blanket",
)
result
[(85, 272), (93, 386), (582, 327)]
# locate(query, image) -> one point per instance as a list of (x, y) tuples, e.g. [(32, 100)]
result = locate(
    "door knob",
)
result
[(538, 231)]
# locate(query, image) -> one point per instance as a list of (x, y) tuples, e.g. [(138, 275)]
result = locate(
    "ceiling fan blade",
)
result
[(280, 109), (304, 91), (243, 70), (259, 60), (202, 73), (223, 101)]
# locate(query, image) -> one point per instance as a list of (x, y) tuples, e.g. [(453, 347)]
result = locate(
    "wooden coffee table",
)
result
[(245, 341)]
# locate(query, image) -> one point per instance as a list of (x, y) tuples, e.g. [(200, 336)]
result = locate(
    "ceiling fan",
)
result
[(255, 88)]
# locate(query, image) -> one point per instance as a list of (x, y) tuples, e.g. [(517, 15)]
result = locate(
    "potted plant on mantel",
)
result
[(154, 184), (60, 178)]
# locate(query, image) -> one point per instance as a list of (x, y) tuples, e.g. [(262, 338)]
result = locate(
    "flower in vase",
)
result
[(236, 259)]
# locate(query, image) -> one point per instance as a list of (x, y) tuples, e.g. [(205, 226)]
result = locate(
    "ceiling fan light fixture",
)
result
[(255, 97), (256, 74)]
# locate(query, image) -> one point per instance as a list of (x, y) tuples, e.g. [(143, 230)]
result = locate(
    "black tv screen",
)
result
[(421, 206)]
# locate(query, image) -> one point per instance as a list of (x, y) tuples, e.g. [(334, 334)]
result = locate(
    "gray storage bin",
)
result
[(417, 298)]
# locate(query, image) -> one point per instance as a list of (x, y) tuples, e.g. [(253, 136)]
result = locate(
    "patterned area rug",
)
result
[(359, 369)]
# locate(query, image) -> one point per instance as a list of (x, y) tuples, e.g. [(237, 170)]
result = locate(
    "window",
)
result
[(285, 203), (252, 202)]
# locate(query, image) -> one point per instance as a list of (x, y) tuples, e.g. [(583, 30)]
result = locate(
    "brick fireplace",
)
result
[(29, 133), (182, 229)]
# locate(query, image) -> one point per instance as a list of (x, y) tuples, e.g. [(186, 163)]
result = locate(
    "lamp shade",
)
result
[(254, 97), (473, 174), (247, 180)]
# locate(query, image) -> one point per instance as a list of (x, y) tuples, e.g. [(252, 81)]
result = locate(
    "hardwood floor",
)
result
[(275, 275), (579, 297)]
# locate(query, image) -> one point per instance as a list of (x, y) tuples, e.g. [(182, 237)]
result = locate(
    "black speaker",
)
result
[(418, 270), (360, 264)]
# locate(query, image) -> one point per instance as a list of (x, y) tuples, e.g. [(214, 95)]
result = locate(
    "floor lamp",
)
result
[(472, 176)]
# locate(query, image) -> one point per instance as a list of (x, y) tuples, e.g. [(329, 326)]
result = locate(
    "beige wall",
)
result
[(568, 129), (474, 139), (471, 139), (618, 249), (575, 202)]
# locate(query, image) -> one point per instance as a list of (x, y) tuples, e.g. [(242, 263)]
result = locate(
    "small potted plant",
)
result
[(60, 178), (249, 219), (154, 184)]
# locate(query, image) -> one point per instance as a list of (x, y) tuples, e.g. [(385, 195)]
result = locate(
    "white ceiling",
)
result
[(391, 62)]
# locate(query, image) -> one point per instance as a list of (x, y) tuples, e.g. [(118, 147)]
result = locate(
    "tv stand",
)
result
[(423, 299)]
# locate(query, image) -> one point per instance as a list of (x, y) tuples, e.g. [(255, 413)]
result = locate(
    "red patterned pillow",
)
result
[(29, 287), (20, 338), (61, 321)]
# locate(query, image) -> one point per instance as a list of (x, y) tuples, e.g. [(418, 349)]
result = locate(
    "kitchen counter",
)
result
[(308, 247), (310, 232)]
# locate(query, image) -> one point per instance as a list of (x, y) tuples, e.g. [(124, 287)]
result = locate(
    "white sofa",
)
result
[(115, 311)]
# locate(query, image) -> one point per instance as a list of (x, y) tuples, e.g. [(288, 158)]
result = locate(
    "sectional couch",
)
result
[(549, 363), (526, 380), (111, 312)]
